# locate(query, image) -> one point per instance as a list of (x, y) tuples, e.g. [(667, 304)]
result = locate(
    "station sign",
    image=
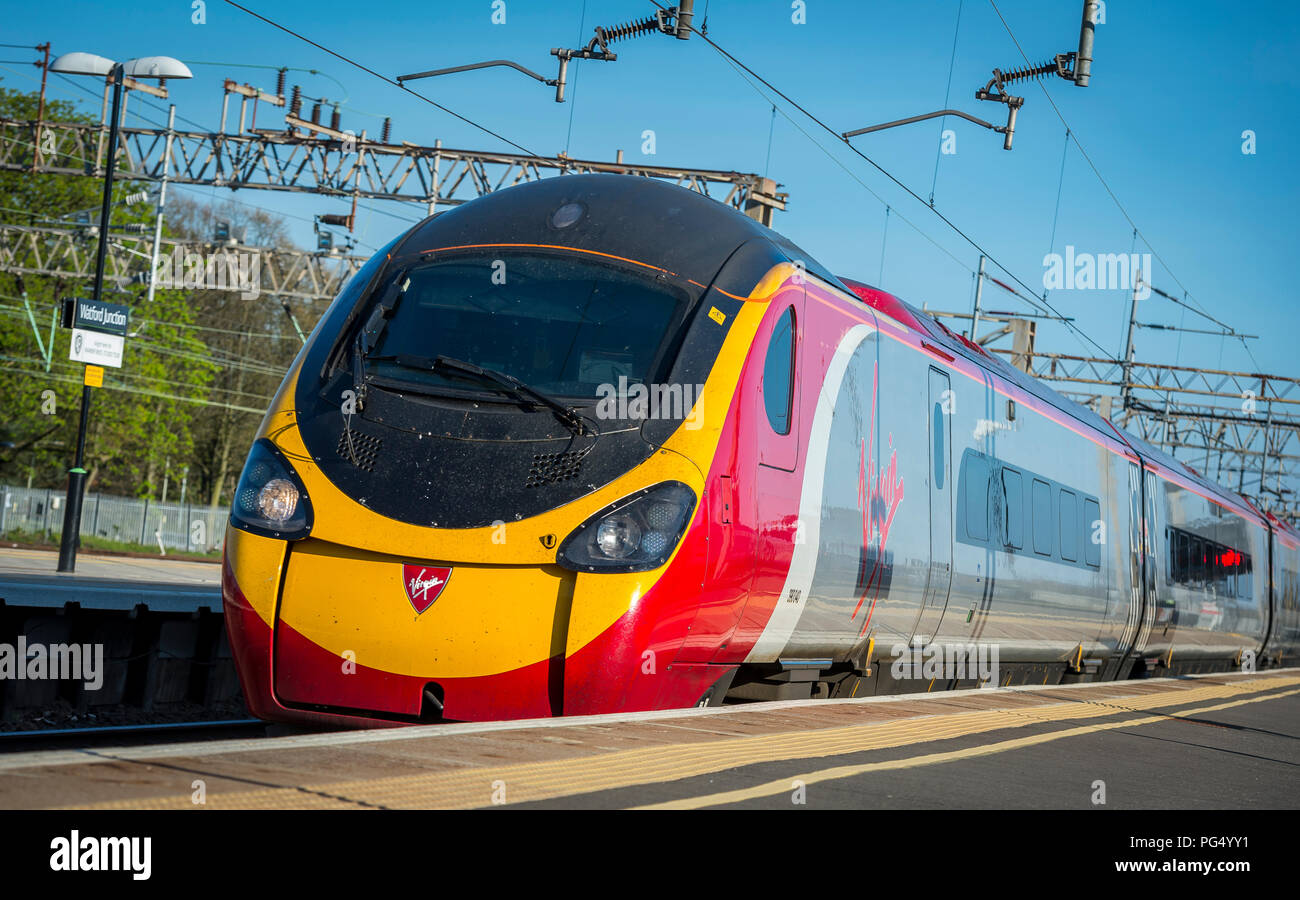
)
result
[(98, 331), (96, 348), (91, 315)]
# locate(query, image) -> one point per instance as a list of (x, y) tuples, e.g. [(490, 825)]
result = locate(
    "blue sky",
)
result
[(1174, 86)]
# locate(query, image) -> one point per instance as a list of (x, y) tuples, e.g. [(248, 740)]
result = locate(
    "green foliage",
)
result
[(192, 357)]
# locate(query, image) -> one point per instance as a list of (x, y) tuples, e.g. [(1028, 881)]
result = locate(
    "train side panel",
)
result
[(1284, 637), (1210, 581)]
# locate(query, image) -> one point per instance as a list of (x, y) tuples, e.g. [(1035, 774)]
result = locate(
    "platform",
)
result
[(1222, 741), (30, 578)]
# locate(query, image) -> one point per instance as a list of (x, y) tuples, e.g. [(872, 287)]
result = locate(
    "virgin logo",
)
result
[(880, 491), (424, 584)]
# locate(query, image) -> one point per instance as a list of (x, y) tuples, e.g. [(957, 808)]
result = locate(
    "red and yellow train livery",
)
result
[(597, 444)]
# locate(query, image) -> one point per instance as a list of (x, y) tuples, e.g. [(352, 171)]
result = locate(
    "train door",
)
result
[(770, 437), (939, 578), (753, 505), (1141, 565)]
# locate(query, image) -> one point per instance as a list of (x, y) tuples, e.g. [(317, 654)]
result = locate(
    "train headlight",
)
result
[(636, 534), (270, 499), (617, 536), (277, 500)]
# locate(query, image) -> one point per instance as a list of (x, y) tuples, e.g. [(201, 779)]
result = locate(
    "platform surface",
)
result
[(1223, 741), (31, 578)]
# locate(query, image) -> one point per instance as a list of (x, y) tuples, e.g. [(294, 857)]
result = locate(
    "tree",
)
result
[(200, 364), (253, 340), (143, 414)]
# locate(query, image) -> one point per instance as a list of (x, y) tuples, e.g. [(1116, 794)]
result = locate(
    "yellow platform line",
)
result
[(786, 785), (524, 782)]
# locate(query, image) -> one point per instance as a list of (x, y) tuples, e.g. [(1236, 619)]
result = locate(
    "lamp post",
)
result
[(161, 67)]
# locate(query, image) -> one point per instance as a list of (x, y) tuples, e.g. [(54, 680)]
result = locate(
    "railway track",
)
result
[(129, 735)]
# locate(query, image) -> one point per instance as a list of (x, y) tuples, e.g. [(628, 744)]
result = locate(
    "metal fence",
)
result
[(39, 511)]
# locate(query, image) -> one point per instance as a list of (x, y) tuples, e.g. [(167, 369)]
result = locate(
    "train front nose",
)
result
[(402, 636), (506, 376), (549, 616)]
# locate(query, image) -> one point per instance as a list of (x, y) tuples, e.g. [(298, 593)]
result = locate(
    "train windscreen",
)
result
[(562, 324)]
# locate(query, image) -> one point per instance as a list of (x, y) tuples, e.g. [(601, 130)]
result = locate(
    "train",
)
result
[(599, 443)]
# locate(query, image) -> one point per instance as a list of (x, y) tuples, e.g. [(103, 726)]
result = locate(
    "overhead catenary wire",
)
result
[(1060, 184), (200, 125), (952, 61), (1042, 306), (135, 376), (191, 189), (573, 82), (68, 379), (849, 172), (385, 78), (216, 356), (45, 307), (321, 73), (881, 200), (1198, 308), (884, 239)]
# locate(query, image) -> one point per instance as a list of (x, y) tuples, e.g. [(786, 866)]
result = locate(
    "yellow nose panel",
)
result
[(485, 620)]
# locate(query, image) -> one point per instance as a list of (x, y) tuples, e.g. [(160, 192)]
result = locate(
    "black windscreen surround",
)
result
[(598, 278)]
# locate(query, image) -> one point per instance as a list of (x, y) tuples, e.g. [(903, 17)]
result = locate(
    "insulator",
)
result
[(388, 127), (334, 119), (295, 105), (279, 82), (1034, 72), (629, 30), (315, 113)]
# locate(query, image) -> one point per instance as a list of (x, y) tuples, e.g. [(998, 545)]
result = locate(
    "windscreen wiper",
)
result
[(368, 336), (359, 372), (566, 414)]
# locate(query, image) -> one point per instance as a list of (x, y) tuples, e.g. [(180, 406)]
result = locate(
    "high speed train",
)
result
[(598, 443)]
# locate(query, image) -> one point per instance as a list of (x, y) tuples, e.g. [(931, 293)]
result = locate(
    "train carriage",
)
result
[(598, 443)]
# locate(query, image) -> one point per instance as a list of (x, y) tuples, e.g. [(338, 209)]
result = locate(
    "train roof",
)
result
[(641, 219)]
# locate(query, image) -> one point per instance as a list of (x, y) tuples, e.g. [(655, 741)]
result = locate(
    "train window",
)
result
[(1182, 557), (778, 374), (1197, 574), (1069, 515), (565, 325), (1244, 577), (1228, 562), (1094, 533), (1042, 517), (976, 499), (938, 454), (1014, 528)]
